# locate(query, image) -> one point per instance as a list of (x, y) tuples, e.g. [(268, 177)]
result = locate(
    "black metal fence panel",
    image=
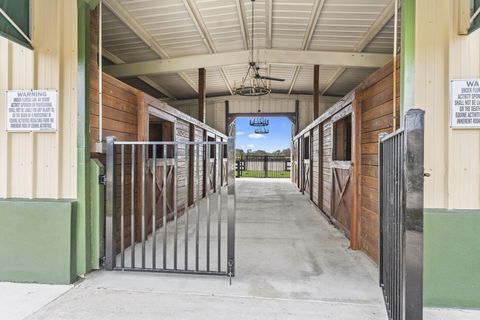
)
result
[(160, 233), (263, 166), (401, 218)]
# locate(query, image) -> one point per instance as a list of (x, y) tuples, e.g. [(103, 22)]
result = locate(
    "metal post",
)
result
[(413, 228), (231, 207), (110, 206), (381, 204)]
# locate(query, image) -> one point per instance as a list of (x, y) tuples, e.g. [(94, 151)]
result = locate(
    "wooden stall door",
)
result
[(159, 190), (161, 128), (342, 197)]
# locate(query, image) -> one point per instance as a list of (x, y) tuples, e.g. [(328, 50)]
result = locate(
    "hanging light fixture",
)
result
[(253, 84), (262, 130), (259, 122)]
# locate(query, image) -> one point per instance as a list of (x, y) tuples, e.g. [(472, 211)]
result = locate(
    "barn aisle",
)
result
[(291, 264), (290, 261)]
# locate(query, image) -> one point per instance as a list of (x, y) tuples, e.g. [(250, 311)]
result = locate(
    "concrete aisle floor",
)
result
[(291, 264)]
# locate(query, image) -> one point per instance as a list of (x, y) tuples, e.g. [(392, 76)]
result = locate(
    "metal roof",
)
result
[(143, 30)]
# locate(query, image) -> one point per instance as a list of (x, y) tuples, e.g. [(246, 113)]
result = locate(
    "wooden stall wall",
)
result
[(326, 185), (315, 156), (375, 100), (120, 119), (126, 115), (198, 170)]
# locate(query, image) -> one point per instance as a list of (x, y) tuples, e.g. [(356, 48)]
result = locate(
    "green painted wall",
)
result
[(97, 197), (83, 141), (37, 240), (452, 258)]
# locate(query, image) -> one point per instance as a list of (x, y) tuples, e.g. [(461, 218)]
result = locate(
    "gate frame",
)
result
[(110, 212), (411, 212)]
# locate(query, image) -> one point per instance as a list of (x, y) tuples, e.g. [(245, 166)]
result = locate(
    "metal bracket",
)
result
[(102, 179), (230, 270)]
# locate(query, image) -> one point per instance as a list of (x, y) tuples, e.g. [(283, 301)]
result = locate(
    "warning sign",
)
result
[(465, 103), (31, 110)]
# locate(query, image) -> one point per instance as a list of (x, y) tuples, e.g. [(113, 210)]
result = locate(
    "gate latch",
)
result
[(230, 270), (102, 179)]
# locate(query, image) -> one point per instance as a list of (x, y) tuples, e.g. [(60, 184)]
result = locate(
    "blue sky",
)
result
[(278, 138)]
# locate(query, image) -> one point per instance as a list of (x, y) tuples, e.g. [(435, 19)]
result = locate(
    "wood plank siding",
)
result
[(347, 191), (376, 105), (130, 115)]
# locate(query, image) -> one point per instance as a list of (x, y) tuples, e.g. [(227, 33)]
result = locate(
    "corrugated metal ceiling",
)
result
[(192, 27)]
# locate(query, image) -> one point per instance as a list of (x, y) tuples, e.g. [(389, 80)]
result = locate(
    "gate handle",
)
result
[(427, 175)]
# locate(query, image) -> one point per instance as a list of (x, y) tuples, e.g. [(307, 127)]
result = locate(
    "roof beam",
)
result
[(307, 39), (113, 58), (136, 28), (288, 57), (207, 39), (243, 22), (382, 20), (269, 23)]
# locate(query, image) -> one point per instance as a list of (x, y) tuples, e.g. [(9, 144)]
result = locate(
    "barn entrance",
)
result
[(204, 67), (263, 147)]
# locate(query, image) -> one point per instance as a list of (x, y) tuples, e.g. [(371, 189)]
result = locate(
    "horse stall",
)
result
[(336, 158), (132, 115)]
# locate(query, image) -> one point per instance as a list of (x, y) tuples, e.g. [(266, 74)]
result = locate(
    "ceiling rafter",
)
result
[(116, 60), (385, 16), (307, 39), (207, 39), (133, 25), (285, 57), (269, 23), (243, 22)]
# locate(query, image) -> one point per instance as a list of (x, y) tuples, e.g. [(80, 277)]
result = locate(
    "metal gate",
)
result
[(401, 218), (156, 222), (263, 166)]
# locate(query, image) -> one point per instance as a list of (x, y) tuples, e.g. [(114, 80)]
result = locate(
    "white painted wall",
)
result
[(452, 157), (42, 165)]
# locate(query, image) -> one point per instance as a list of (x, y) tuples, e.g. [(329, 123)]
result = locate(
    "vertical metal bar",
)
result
[(231, 206), (197, 206), (401, 195), (208, 186), (381, 206), (110, 257), (175, 197), (164, 189), (132, 209), (154, 206), (187, 194), (143, 206), (395, 297), (122, 208), (219, 205)]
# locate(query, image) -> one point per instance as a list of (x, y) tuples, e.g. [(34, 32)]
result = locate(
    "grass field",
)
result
[(261, 174)]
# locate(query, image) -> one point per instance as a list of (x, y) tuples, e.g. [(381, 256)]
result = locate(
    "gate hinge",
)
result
[(102, 179)]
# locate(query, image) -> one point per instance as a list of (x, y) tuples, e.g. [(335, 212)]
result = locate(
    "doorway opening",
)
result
[(263, 146)]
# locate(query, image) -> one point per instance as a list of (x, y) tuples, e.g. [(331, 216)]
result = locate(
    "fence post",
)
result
[(110, 256), (231, 206), (413, 224), (265, 166)]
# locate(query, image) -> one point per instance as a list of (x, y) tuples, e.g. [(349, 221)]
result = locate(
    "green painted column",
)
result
[(407, 85), (83, 141)]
